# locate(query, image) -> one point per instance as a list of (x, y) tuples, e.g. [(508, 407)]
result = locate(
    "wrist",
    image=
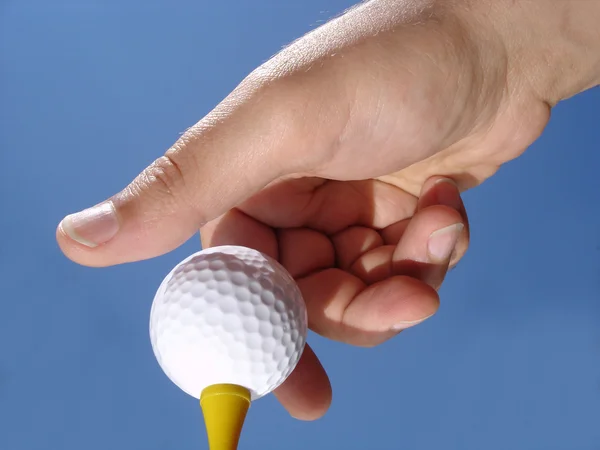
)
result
[(552, 47)]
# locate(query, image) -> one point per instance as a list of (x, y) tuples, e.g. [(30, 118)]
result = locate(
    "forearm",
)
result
[(554, 45), (549, 48)]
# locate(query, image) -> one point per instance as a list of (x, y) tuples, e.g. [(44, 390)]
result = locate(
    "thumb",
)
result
[(224, 159)]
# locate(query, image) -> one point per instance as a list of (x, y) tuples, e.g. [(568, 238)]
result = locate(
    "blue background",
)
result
[(93, 91)]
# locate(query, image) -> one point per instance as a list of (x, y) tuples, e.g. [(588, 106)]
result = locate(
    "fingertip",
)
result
[(306, 394), (237, 228), (375, 265), (353, 242), (440, 191), (428, 244), (395, 304), (74, 248), (121, 230), (445, 191), (426, 222)]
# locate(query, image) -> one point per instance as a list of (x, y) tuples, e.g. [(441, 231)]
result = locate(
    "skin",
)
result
[(345, 155)]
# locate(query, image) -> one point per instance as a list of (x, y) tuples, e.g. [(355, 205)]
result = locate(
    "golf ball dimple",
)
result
[(228, 315)]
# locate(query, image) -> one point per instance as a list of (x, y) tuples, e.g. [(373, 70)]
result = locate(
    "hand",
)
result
[(328, 157)]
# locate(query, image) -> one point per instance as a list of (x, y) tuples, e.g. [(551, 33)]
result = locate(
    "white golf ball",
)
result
[(228, 315)]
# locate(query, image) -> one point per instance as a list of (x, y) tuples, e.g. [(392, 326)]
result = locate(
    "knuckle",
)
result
[(166, 176), (163, 182)]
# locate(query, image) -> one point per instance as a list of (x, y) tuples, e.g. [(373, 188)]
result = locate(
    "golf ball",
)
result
[(228, 314)]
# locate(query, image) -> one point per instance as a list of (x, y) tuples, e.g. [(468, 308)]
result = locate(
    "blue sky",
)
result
[(93, 91)]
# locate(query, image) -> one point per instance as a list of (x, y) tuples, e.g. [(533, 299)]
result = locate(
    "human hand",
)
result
[(327, 157)]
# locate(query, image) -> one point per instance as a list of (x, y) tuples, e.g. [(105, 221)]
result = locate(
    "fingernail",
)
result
[(445, 180), (448, 197), (93, 226), (442, 242), (409, 323)]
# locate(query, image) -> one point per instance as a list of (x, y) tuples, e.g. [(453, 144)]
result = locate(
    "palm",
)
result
[(342, 241), (356, 251), (335, 238)]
